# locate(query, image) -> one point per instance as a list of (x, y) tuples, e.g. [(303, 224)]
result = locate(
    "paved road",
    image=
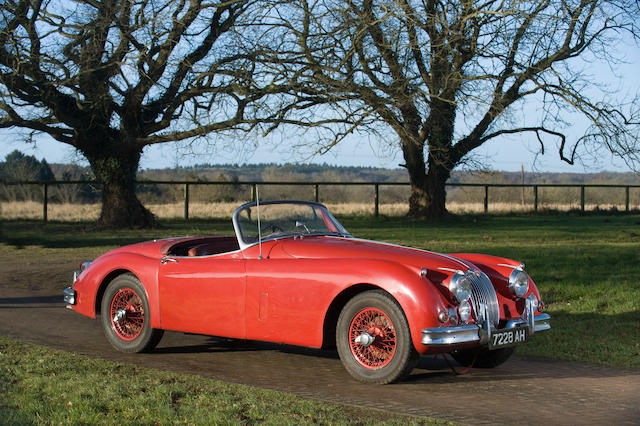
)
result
[(522, 391)]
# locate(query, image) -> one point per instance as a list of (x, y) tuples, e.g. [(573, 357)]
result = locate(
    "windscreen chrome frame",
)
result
[(244, 245)]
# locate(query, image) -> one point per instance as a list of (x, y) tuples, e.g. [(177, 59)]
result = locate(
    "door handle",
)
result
[(164, 260)]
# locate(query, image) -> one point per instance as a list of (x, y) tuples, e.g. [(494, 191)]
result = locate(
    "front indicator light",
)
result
[(443, 316), (464, 310), (453, 316)]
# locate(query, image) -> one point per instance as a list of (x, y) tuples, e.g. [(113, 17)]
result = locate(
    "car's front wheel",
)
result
[(125, 316), (373, 339), (483, 357)]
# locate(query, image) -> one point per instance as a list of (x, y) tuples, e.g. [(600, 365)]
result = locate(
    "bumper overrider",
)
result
[(481, 333), (70, 295)]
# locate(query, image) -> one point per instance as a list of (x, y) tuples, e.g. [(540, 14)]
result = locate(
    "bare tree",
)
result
[(446, 76), (110, 77)]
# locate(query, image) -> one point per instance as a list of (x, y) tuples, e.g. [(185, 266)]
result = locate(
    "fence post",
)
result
[(626, 199), (582, 198), (486, 199), (186, 202), (253, 192), (535, 198), (45, 202), (316, 192), (376, 198)]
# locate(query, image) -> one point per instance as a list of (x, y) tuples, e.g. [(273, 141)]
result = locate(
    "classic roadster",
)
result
[(294, 275)]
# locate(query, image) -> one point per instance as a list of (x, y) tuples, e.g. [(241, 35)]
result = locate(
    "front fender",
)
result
[(418, 297), (94, 279)]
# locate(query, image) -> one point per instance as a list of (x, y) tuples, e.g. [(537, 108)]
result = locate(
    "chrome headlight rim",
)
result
[(519, 283), (460, 286)]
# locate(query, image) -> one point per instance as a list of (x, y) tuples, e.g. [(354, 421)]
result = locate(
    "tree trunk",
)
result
[(428, 184), (116, 171), (428, 194)]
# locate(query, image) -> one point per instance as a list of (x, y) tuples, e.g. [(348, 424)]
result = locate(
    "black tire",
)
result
[(390, 356), (125, 316), (484, 358)]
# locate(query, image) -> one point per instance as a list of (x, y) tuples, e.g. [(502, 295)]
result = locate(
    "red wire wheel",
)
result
[(368, 324), (126, 312), (373, 338), (126, 317)]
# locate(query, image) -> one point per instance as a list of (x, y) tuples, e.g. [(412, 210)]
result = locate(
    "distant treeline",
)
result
[(233, 173)]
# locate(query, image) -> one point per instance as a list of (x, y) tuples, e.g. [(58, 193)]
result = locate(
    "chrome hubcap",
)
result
[(365, 339), (120, 315)]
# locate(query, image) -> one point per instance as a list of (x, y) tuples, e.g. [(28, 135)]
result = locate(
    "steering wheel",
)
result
[(274, 229)]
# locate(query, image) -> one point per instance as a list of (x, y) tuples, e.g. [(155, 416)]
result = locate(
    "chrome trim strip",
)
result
[(69, 296), (520, 266), (446, 256)]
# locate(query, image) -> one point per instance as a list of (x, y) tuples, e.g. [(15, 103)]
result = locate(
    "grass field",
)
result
[(586, 267)]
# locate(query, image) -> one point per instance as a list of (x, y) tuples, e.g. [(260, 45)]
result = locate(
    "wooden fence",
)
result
[(316, 189)]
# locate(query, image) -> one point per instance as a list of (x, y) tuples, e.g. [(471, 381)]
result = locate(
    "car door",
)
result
[(203, 294), (287, 300)]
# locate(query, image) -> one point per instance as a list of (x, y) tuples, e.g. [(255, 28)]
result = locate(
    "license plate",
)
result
[(512, 336)]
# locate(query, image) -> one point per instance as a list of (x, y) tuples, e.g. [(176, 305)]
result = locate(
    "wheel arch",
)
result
[(336, 306), (105, 283)]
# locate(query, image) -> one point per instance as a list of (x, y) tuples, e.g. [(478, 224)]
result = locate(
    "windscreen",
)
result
[(284, 219)]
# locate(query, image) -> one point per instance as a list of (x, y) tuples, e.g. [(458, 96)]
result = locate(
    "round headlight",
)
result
[(519, 283), (464, 311), (460, 286)]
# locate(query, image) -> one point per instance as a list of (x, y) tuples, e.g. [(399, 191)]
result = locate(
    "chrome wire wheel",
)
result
[(127, 314), (372, 338)]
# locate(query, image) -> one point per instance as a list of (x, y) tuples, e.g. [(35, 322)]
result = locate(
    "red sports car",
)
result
[(294, 275)]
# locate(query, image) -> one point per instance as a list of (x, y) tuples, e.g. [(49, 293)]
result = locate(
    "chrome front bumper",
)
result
[(481, 333)]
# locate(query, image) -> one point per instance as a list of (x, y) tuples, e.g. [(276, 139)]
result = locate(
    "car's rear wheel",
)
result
[(373, 339), (483, 357), (125, 316)]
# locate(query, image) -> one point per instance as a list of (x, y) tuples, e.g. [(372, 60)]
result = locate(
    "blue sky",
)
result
[(507, 153)]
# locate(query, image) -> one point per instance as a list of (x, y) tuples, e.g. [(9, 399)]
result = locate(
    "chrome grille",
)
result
[(482, 292)]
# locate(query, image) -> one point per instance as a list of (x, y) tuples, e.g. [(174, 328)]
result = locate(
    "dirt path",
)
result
[(522, 391)]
